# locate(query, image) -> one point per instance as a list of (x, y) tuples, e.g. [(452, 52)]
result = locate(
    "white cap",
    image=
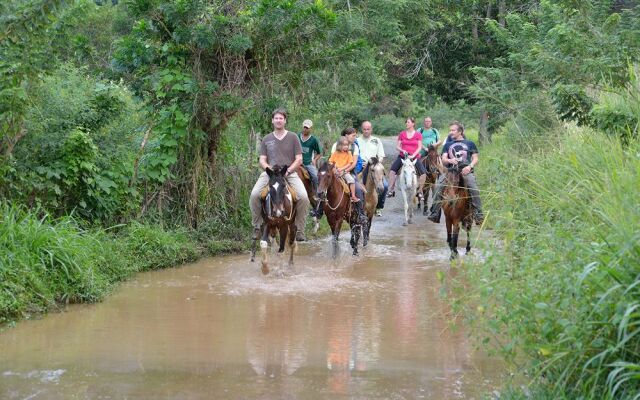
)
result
[(307, 123)]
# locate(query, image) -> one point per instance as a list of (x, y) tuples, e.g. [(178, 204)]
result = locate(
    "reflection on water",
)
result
[(368, 327)]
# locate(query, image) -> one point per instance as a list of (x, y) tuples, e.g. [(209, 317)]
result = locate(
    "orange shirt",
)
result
[(341, 158)]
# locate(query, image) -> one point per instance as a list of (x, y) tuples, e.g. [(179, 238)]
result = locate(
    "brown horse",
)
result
[(279, 213), (456, 204), (374, 186), (308, 185), (337, 206), (433, 165)]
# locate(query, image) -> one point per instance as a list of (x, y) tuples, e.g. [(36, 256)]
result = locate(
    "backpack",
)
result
[(360, 162)]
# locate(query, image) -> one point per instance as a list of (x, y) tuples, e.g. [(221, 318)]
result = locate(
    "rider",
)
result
[(464, 152), (311, 151), (343, 160), (409, 145), (429, 136), (350, 134), (371, 146), (280, 147)]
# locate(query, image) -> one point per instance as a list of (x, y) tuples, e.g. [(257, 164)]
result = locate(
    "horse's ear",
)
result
[(269, 172), (284, 169), (415, 160), (374, 160)]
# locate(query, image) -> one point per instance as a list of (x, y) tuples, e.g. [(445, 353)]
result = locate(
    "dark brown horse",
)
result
[(279, 214), (456, 204), (337, 206), (311, 194), (433, 166), (374, 186)]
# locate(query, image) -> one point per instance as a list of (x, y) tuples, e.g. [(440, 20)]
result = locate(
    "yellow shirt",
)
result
[(342, 159)]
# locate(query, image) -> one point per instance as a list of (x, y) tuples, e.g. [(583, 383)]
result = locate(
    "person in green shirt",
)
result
[(430, 136), (311, 151)]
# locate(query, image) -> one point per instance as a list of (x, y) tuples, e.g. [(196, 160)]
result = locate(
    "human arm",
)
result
[(317, 155), (296, 163), (263, 163), (474, 161)]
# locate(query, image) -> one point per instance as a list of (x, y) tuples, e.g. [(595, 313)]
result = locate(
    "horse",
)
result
[(408, 187), (456, 205), (433, 165), (279, 213), (337, 206), (308, 185), (374, 186)]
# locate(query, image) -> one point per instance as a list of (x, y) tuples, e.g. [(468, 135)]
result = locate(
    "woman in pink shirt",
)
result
[(409, 145)]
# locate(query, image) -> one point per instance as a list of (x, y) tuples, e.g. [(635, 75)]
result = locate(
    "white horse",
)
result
[(408, 187)]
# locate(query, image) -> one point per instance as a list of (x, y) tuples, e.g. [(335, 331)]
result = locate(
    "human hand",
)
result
[(466, 170)]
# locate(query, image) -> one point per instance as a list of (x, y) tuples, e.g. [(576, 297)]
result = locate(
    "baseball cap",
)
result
[(307, 123)]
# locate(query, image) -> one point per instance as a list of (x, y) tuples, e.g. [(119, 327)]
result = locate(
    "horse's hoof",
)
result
[(404, 223), (410, 221), (453, 256), (265, 268)]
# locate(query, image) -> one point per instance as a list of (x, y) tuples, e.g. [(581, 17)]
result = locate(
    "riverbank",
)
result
[(562, 287)]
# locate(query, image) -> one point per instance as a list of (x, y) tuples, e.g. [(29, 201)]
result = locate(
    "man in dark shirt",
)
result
[(280, 147), (464, 152)]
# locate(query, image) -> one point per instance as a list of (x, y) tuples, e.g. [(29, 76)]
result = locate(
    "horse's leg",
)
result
[(355, 238), (454, 239), (283, 230), (366, 231), (468, 247), (448, 223), (406, 206), (335, 233), (316, 223)]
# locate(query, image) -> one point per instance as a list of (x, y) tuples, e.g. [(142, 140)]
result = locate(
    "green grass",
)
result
[(561, 285), (46, 262)]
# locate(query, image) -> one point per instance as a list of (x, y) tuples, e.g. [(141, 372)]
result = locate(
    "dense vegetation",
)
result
[(129, 131)]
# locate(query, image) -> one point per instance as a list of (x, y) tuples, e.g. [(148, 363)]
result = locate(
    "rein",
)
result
[(341, 197)]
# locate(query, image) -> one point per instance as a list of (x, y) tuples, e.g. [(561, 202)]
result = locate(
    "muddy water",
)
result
[(370, 327)]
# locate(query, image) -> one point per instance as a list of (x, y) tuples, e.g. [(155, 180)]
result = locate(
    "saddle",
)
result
[(265, 191), (302, 170), (345, 185)]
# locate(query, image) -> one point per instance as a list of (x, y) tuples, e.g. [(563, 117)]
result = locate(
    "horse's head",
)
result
[(278, 192), (326, 174), (408, 171), (453, 177), (376, 169)]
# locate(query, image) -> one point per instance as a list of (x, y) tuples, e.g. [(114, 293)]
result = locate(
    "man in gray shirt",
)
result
[(280, 147)]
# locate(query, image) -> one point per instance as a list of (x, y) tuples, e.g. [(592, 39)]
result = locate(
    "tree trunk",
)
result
[(502, 12), (483, 134)]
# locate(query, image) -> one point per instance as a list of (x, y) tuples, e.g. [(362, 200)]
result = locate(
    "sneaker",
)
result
[(300, 237), (378, 213), (391, 193)]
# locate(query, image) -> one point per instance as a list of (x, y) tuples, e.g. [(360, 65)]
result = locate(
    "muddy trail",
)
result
[(369, 327)]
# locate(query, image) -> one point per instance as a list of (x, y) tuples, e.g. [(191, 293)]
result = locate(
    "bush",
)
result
[(562, 283)]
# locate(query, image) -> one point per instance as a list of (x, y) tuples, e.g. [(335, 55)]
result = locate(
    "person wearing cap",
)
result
[(311, 151), (371, 146)]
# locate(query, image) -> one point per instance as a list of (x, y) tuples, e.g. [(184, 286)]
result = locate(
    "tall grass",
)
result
[(45, 262), (562, 282)]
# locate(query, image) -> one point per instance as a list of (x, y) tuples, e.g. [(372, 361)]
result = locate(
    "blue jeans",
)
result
[(383, 197), (313, 173)]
